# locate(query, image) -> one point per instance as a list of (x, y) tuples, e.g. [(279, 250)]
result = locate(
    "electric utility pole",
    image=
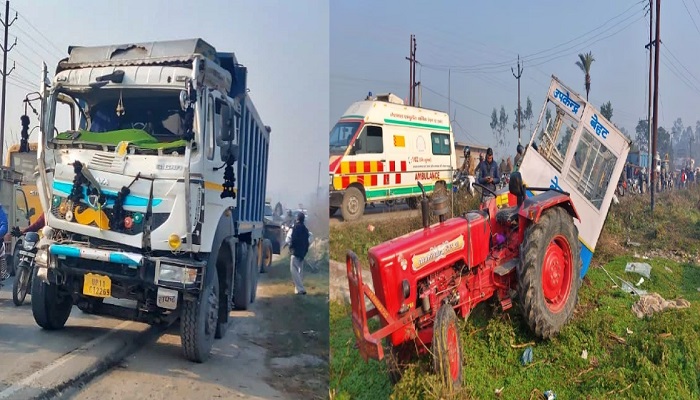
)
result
[(5, 72), (412, 62), (651, 65), (656, 89), (517, 77)]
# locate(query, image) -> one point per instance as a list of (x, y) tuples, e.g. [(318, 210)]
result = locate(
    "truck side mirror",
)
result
[(226, 132), (31, 212), (184, 100)]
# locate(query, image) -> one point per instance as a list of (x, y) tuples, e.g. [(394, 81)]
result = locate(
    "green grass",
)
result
[(660, 359)]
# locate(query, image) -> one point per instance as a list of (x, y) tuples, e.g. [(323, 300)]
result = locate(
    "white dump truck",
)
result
[(155, 190)]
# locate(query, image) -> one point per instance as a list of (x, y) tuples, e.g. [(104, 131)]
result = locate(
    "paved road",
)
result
[(98, 357)]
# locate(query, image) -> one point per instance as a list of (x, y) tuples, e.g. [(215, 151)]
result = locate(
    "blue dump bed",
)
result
[(254, 153)]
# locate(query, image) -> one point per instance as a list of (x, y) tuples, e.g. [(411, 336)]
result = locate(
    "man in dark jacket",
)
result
[(488, 175), (298, 243)]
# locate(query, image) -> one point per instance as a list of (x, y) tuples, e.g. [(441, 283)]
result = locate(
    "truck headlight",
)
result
[(177, 274), (42, 258)]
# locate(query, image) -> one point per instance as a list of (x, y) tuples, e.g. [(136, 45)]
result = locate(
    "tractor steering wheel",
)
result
[(484, 187)]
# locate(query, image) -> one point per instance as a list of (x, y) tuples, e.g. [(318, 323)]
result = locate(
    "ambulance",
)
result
[(380, 148)]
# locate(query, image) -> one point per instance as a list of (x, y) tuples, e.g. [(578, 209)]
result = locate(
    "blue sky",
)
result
[(370, 43), (284, 45)]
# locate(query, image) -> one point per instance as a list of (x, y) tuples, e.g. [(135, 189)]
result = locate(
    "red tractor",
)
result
[(425, 279)]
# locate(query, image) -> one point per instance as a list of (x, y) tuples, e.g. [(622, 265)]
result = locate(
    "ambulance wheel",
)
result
[(353, 204), (447, 352), (266, 256), (412, 203), (549, 272), (241, 279)]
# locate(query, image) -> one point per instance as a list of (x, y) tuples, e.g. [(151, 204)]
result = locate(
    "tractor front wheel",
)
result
[(447, 352), (549, 272)]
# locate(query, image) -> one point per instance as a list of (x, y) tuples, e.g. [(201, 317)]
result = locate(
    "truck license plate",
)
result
[(97, 285), (167, 298)]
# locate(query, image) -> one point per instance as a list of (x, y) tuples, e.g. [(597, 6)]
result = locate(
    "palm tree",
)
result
[(585, 61)]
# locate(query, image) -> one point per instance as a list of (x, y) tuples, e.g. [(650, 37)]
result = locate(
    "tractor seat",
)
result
[(507, 215)]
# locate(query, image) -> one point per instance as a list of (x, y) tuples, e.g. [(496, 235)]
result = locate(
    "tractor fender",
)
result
[(534, 206)]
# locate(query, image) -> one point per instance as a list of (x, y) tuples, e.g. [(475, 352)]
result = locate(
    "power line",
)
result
[(691, 16), (679, 62), (38, 43), (41, 34), (456, 102), (535, 56)]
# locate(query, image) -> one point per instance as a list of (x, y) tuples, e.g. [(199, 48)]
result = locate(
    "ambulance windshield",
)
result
[(341, 135)]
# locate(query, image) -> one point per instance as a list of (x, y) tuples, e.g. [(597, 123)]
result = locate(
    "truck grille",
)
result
[(59, 211), (108, 162)]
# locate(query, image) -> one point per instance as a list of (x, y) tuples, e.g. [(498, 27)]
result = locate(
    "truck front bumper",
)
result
[(168, 272)]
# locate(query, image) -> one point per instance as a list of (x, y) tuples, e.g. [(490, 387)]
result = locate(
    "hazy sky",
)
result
[(284, 45), (480, 41)]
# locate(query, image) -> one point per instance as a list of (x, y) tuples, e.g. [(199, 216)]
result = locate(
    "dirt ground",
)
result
[(298, 326)]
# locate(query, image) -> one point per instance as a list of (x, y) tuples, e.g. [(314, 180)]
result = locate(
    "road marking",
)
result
[(34, 378)]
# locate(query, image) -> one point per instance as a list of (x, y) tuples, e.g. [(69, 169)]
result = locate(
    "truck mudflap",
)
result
[(132, 260), (370, 343)]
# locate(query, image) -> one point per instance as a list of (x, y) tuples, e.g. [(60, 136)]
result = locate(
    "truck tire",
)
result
[(254, 272), (447, 352), (50, 309), (549, 272), (266, 256), (241, 280), (198, 322), (353, 204)]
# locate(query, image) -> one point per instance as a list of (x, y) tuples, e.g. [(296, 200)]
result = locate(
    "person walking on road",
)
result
[(298, 242)]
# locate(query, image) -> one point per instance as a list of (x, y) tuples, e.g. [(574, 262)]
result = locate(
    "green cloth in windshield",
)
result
[(137, 137)]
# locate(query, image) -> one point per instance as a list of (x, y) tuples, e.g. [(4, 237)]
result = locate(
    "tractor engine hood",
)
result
[(421, 253)]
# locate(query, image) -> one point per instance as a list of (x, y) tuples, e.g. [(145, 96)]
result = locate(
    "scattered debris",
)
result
[(629, 331), (584, 354), (648, 304), (609, 276), (628, 288), (668, 269), (641, 280), (550, 395), (665, 335), (617, 338), (370, 228), (498, 392), (642, 269), (520, 346), (634, 244), (527, 356)]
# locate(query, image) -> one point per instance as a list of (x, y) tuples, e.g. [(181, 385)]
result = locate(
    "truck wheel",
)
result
[(353, 204), (447, 352), (549, 272), (254, 273), (241, 280), (332, 211), (198, 322), (50, 309), (267, 256)]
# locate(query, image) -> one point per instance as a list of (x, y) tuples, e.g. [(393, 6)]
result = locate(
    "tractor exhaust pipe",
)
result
[(424, 207)]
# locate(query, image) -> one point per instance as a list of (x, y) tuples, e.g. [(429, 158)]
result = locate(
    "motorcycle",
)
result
[(25, 269), (462, 181)]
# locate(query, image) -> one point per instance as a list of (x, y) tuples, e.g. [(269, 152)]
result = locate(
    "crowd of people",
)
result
[(665, 177)]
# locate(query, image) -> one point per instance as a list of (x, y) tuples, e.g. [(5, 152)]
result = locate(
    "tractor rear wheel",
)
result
[(447, 352), (549, 272)]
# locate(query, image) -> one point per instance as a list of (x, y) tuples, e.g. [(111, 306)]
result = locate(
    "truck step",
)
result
[(504, 269)]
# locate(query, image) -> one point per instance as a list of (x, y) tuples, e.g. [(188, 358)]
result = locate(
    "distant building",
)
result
[(475, 149)]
